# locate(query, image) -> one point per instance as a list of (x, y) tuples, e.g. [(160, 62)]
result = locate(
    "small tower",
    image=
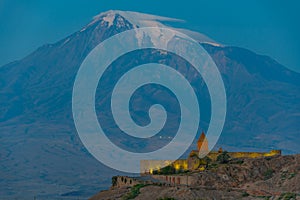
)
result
[(202, 144), (220, 150)]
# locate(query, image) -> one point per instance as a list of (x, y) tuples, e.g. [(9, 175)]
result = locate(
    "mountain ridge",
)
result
[(36, 114)]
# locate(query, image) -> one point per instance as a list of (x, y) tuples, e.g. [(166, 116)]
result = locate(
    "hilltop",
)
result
[(248, 178)]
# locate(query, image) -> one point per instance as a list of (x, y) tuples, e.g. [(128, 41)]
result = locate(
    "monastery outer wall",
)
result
[(213, 155), (124, 181), (176, 179)]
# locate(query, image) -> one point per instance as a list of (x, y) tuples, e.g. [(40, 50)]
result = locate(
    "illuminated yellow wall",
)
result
[(214, 155), (148, 166), (180, 164)]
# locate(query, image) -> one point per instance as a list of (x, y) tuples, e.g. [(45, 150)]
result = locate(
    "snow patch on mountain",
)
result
[(156, 39), (198, 36), (110, 17)]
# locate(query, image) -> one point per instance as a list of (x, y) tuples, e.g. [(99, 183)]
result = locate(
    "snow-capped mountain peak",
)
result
[(135, 18), (146, 20)]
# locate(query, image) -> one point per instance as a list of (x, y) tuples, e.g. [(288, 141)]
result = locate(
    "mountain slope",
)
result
[(40, 151)]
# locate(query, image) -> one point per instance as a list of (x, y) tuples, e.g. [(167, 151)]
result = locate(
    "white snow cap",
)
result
[(147, 20)]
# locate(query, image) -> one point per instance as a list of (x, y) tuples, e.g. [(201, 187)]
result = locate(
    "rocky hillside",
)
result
[(260, 178)]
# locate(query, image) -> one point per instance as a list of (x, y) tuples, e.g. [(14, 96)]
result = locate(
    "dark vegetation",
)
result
[(134, 192)]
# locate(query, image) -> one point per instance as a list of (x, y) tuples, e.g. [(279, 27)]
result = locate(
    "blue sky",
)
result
[(267, 27)]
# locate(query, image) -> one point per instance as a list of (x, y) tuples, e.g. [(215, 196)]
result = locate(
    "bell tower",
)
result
[(202, 144)]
